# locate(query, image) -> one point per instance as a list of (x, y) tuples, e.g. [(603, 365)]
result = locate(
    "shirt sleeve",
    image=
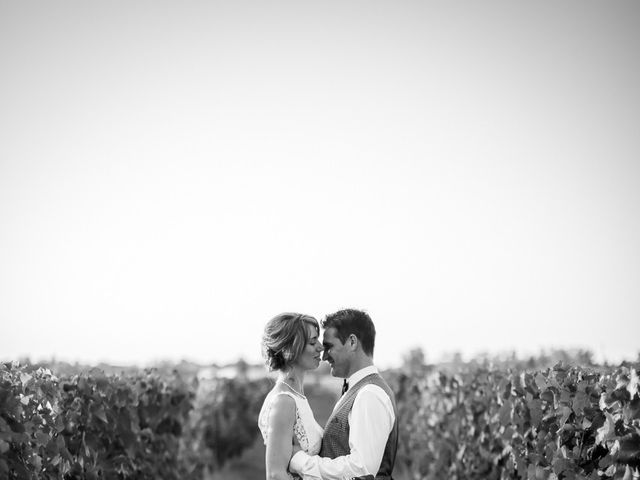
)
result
[(367, 440)]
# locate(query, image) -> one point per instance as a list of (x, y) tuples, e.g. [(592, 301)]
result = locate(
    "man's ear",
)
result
[(353, 341)]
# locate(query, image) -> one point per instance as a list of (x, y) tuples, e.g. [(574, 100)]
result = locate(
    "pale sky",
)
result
[(175, 173)]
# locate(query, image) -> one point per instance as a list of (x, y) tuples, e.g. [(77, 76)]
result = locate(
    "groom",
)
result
[(361, 435)]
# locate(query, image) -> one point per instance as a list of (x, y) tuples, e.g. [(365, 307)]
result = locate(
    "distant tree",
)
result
[(242, 367), (414, 360)]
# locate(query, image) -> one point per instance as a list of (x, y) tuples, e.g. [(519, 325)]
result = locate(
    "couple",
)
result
[(361, 436)]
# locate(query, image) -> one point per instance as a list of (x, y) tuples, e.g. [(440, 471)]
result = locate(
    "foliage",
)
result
[(479, 423), (224, 422), (463, 421), (140, 425)]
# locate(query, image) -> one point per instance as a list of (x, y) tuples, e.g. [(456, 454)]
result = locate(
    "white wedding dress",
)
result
[(305, 428)]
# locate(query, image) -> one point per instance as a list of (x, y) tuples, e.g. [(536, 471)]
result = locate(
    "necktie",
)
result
[(345, 386)]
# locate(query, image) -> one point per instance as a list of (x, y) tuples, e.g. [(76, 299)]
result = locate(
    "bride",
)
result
[(290, 346)]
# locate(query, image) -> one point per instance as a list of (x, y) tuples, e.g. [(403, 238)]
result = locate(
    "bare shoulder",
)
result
[(283, 410)]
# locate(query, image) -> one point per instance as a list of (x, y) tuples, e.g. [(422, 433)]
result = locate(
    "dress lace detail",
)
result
[(300, 432), (305, 428)]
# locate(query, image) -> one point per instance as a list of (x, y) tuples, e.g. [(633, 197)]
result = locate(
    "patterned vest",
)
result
[(335, 441)]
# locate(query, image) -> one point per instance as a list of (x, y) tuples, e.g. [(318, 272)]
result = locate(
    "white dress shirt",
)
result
[(370, 421)]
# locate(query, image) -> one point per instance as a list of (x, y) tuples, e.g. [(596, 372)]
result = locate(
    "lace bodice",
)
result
[(305, 428)]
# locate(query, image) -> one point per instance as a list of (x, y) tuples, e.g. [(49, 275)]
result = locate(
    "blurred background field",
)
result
[(555, 416)]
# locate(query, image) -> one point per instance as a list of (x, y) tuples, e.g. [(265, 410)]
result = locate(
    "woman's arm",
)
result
[(279, 438)]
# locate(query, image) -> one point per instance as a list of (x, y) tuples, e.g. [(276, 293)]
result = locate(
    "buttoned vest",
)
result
[(335, 441)]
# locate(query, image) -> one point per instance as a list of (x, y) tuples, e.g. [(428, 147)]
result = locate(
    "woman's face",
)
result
[(309, 359)]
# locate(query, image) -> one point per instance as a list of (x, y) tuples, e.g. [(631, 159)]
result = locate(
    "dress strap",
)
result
[(296, 399), (291, 394)]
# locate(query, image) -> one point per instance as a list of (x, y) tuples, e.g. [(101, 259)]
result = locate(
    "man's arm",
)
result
[(370, 422)]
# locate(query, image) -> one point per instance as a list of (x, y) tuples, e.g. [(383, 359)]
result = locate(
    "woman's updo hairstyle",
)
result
[(284, 339)]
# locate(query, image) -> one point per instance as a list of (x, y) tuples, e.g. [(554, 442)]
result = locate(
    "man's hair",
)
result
[(356, 322)]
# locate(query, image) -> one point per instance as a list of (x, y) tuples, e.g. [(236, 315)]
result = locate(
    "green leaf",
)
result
[(541, 473), (504, 415), (535, 411), (629, 448), (634, 383), (4, 426), (580, 401), (521, 466), (99, 412), (41, 438), (605, 461), (547, 396), (607, 431), (24, 378), (566, 413), (561, 465)]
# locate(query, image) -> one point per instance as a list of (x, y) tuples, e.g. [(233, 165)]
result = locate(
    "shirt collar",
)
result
[(360, 374)]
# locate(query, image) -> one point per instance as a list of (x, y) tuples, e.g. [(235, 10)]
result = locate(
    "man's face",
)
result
[(336, 353)]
